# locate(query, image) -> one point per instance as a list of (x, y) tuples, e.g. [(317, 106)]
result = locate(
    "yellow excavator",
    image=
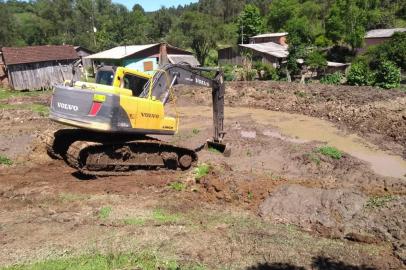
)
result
[(114, 119)]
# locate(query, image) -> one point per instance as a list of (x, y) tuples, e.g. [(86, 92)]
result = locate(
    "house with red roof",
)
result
[(39, 67)]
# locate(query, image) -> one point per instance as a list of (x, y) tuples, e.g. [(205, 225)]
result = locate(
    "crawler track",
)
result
[(97, 154)]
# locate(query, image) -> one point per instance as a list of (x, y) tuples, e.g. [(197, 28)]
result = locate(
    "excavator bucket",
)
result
[(225, 149)]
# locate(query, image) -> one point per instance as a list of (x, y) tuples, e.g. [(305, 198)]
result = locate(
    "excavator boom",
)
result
[(170, 75)]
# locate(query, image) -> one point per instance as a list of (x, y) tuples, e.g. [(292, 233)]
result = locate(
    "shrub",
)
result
[(360, 74), (5, 161), (266, 71), (201, 171), (377, 201), (329, 151), (228, 73), (178, 186), (242, 74), (334, 78), (388, 75), (105, 212)]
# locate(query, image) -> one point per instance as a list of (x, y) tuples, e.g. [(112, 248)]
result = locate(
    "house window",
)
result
[(148, 66), (134, 83)]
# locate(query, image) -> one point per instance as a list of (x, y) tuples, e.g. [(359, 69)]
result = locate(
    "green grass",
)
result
[(201, 171), (330, 151), (5, 94), (70, 197), (162, 216), (178, 186), (5, 161), (42, 110), (213, 150), (144, 260), (134, 221), (379, 201), (195, 131), (105, 212)]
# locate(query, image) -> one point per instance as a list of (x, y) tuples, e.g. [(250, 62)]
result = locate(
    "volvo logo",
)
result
[(68, 107)]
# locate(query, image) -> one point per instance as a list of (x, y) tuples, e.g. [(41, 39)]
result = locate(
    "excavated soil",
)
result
[(376, 114), (276, 202)]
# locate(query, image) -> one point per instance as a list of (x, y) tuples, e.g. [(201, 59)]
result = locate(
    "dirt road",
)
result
[(276, 202)]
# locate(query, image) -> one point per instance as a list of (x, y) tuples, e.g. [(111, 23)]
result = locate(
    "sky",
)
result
[(152, 5)]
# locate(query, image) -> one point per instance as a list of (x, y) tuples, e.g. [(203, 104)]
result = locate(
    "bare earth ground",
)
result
[(276, 203)]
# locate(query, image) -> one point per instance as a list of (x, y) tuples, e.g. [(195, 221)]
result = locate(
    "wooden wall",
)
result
[(232, 56), (41, 75)]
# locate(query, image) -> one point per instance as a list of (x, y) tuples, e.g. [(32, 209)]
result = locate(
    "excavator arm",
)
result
[(164, 79)]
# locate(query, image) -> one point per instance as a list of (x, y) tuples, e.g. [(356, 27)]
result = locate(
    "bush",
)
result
[(242, 74), (388, 75), (334, 78), (330, 151), (266, 71), (393, 50), (360, 74), (228, 72)]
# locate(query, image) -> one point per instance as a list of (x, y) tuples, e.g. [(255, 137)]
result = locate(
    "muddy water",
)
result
[(304, 128)]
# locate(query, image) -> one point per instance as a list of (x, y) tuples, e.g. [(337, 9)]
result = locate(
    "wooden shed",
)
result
[(270, 53), (82, 53), (3, 73), (40, 67)]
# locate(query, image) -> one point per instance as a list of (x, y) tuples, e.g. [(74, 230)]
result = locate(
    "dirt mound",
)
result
[(312, 208), (340, 213), (376, 114)]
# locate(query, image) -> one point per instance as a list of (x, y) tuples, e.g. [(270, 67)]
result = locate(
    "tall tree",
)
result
[(281, 11), (6, 25), (201, 31), (250, 23), (346, 23)]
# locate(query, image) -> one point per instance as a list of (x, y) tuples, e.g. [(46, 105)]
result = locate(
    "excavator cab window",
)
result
[(134, 83), (105, 77)]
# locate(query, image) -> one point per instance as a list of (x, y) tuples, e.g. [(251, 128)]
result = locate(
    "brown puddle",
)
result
[(305, 128)]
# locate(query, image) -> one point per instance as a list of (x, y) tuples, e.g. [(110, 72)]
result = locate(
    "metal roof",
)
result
[(336, 64), (120, 52), (270, 48), (34, 54), (382, 33), (271, 35), (179, 58)]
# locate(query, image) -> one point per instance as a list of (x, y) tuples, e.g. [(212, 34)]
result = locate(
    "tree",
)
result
[(393, 50), (296, 51), (201, 33), (281, 11), (163, 22), (250, 23), (316, 61), (346, 23), (6, 26), (388, 75)]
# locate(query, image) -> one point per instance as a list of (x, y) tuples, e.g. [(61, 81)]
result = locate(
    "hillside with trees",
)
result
[(204, 26)]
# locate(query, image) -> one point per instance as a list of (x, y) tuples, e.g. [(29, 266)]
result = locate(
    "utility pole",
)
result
[(93, 26), (242, 33)]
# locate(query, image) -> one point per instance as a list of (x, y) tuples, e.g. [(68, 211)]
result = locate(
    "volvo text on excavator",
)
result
[(115, 117)]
